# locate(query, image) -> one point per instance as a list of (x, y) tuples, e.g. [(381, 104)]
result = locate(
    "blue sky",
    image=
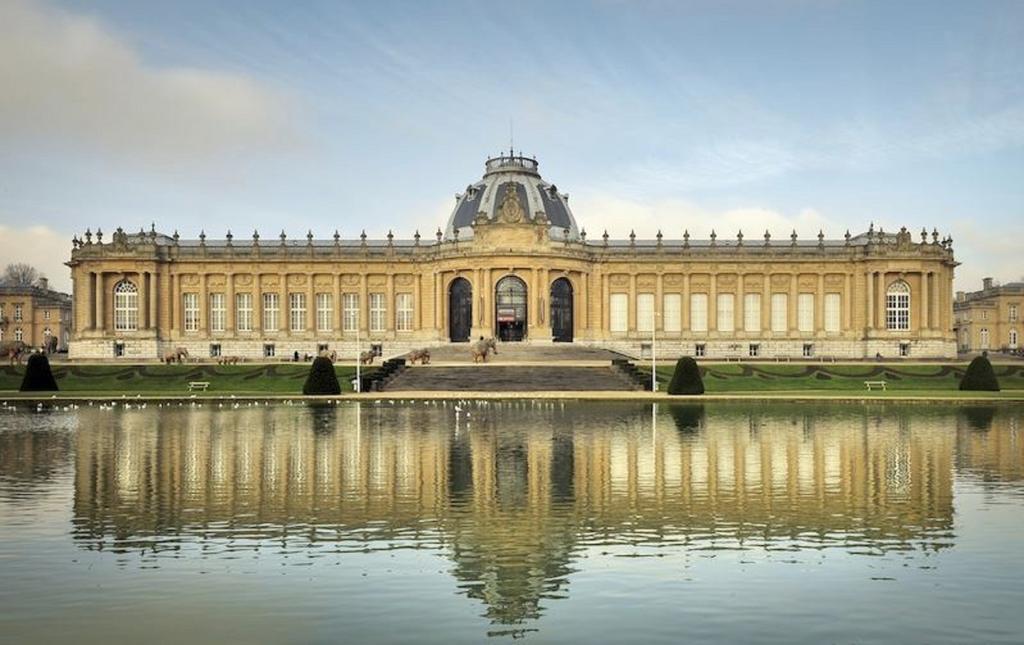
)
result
[(651, 115)]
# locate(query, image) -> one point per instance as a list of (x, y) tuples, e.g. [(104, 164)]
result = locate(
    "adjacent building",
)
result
[(513, 263), (35, 314), (989, 320)]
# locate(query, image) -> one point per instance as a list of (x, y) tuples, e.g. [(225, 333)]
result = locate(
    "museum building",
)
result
[(512, 262)]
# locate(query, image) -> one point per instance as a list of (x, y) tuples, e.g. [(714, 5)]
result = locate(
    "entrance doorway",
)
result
[(460, 310), (510, 308), (561, 311)]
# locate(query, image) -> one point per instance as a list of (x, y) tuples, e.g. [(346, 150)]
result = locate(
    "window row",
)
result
[(18, 334), (298, 309), (725, 308), (19, 313)]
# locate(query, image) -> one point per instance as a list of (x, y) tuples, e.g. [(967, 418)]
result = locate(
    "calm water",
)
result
[(554, 522)]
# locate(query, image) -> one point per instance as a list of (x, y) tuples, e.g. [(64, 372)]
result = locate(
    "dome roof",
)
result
[(534, 195)]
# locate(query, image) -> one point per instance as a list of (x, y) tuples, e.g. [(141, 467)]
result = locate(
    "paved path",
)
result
[(523, 353), (509, 378)]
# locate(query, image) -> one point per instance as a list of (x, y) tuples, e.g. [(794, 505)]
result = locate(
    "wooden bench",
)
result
[(198, 385), (873, 384)]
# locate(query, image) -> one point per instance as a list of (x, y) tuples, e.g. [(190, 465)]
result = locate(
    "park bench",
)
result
[(873, 384), (198, 385)]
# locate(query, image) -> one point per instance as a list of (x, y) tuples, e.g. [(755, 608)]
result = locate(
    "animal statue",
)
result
[(177, 356), (421, 355), (366, 358), (333, 355), (13, 350), (229, 360), (50, 347), (481, 348)]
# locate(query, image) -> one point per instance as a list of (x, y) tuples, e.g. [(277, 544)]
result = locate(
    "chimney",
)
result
[(986, 283), (961, 296), (43, 283)]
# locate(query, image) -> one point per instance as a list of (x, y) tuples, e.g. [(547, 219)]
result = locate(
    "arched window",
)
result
[(897, 306), (126, 306)]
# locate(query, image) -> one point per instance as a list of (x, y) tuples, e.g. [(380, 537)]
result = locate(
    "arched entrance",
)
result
[(561, 311), (510, 308), (460, 310)]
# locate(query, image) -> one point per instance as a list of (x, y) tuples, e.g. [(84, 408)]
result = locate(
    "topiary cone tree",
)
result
[(980, 377), (686, 379), (38, 375), (322, 380)]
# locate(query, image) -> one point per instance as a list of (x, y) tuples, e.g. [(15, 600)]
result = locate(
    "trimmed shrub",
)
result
[(980, 377), (38, 375), (322, 380), (686, 379)]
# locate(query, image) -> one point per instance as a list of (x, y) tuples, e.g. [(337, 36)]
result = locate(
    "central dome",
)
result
[(516, 175)]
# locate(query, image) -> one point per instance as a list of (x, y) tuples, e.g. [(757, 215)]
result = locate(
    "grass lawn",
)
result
[(726, 378), (277, 378)]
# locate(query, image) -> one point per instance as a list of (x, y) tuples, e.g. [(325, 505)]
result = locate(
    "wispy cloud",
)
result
[(69, 81)]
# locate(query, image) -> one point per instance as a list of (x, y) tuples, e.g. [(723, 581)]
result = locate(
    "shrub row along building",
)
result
[(989, 319), (512, 263)]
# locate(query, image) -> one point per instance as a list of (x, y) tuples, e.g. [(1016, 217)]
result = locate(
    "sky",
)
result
[(652, 115)]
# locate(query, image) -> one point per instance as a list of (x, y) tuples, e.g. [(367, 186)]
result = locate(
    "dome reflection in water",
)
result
[(529, 505)]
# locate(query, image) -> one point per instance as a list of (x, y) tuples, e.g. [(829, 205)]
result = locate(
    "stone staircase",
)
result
[(510, 378)]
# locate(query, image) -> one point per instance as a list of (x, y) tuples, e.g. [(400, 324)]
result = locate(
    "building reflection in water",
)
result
[(515, 493)]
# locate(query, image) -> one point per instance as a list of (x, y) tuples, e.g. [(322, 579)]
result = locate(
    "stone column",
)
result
[(793, 304), (336, 303), (284, 326), (154, 316), (204, 305), (631, 326), (738, 311), (582, 325), (257, 304), (869, 300), (142, 304), (438, 287), (229, 304), (924, 322), (880, 295), (389, 310), (766, 304), (101, 324), (819, 305), (847, 301), (417, 302), (605, 298), (174, 300), (364, 306), (684, 306), (713, 303), (311, 304)]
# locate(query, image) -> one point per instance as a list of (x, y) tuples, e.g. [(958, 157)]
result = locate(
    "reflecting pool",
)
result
[(550, 521)]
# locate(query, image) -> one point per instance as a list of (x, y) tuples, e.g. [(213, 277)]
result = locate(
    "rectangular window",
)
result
[(904, 349), (218, 312), (297, 311), (214, 350), (118, 350), (645, 312), (268, 349), (1013, 313), (833, 312), (46, 314), (700, 350), (808, 350), (726, 314), (190, 307), (619, 312), (752, 312), (350, 312), (18, 313), (378, 321), (805, 312), (753, 350), (403, 312), (780, 313), (271, 312), (324, 312), (698, 312), (672, 310), (897, 310), (243, 311)]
